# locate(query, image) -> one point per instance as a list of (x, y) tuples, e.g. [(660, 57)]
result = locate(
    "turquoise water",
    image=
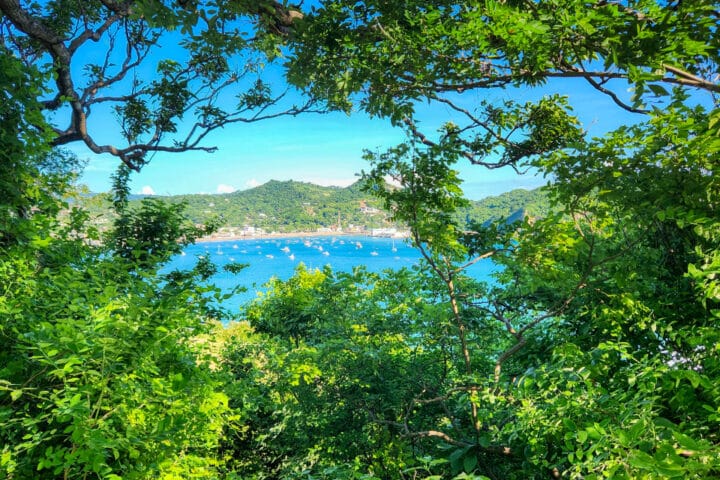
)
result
[(278, 257)]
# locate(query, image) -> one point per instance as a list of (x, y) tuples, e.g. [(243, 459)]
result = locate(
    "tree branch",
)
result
[(97, 22), (468, 155), (94, 35), (437, 434)]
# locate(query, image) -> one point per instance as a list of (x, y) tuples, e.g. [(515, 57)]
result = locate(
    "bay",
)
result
[(279, 257)]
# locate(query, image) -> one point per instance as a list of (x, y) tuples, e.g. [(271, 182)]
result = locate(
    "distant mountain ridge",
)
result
[(292, 206)]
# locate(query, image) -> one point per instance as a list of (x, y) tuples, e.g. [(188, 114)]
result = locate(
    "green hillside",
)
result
[(510, 206), (288, 207), (291, 206)]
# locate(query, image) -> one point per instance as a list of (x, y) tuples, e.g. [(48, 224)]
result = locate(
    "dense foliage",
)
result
[(100, 375), (592, 353)]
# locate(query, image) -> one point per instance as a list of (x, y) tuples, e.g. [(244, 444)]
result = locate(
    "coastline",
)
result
[(283, 235)]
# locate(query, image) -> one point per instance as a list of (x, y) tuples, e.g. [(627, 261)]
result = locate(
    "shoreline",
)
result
[(285, 235)]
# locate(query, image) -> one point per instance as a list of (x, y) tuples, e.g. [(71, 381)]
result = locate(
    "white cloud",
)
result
[(332, 182), (147, 190), (222, 188), (252, 183)]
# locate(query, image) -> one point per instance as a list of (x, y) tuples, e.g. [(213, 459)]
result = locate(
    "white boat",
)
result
[(285, 249), (269, 256), (326, 253), (394, 248), (374, 254), (291, 256), (358, 245)]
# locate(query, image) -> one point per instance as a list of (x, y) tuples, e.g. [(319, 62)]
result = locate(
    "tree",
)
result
[(394, 54), (32, 176), (601, 309), (325, 392), (101, 373), (221, 49)]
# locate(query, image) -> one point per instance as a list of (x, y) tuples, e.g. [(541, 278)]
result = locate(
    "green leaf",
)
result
[(469, 463), (642, 460), (685, 441), (658, 90)]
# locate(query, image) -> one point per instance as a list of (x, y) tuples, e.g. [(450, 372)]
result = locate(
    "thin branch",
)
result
[(127, 65), (613, 96), (475, 121), (441, 435), (94, 35), (476, 259), (505, 355), (468, 155), (598, 77)]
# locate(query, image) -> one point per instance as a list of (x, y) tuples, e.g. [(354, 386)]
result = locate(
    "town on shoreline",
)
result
[(225, 235)]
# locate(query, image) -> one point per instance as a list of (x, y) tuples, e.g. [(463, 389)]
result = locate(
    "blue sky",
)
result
[(323, 149), (326, 150)]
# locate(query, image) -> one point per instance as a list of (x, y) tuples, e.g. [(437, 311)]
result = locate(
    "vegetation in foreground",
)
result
[(594, 354)]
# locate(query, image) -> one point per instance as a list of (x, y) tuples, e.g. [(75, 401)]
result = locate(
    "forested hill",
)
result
[(511, 206), (290, 206)]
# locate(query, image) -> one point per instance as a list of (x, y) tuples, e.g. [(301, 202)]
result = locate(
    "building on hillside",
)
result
[(368, 210)]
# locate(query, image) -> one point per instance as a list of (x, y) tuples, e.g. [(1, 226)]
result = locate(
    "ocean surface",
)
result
[(279, 257)]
